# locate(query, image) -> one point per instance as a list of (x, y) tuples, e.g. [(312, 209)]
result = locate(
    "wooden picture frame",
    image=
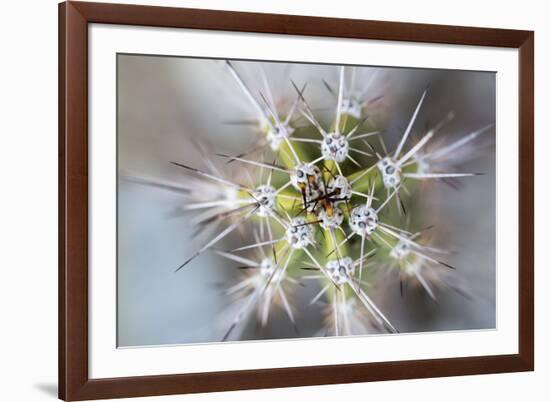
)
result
[(74, 381)]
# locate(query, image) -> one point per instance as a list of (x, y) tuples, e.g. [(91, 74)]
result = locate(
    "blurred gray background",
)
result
[(165, 101)]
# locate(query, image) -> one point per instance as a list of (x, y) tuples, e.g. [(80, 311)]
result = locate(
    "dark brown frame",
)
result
[(74, 17)]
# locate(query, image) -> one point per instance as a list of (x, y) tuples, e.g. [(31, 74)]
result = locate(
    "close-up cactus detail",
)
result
[(324, 214)]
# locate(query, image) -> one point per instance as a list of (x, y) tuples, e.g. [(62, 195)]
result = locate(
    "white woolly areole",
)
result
[(391, 173), (363, 220), (265, 196), (335, 147), (341, 185), (276, 135), (307, 177), (333, 221), (352, 107), (269, 268), (299, 234), (400, 250), (340, 271)]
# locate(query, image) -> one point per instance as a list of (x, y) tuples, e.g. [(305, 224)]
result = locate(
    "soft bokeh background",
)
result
[(165, 101)]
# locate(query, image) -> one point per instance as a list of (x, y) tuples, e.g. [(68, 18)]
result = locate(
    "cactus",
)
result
[(326, 202)]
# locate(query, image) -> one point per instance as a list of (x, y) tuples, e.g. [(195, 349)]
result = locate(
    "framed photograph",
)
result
[(260, 200)]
